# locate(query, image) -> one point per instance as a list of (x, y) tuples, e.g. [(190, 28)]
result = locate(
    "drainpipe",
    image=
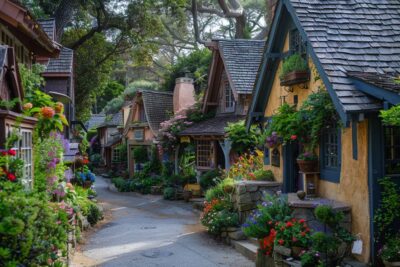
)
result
[(176, 158), (226, 146)]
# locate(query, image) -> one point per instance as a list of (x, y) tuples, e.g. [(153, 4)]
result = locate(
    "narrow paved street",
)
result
[(149, 231)]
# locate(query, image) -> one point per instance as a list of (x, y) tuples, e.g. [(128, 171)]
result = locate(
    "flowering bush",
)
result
[(218, 214), (292, 233), (10, 166), (246, 165), (273, 140), (170, 129)]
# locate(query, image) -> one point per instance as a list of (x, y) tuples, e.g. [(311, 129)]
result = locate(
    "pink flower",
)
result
[(293, 137), (12, 152)]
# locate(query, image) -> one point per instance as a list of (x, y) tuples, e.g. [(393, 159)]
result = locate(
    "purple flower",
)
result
[(59, 192), (51, 165)]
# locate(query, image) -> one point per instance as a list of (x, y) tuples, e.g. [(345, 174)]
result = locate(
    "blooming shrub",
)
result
[(292, 233), (246, 165), (170, 129), (10, 166), (218, 214)]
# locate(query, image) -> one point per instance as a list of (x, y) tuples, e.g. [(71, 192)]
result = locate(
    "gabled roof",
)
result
[(342, 36), (241, 59), (158, 107), (62, 64), (48, 26), (214, 126)]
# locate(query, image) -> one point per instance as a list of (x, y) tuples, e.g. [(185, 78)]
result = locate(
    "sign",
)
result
[(185, 139)]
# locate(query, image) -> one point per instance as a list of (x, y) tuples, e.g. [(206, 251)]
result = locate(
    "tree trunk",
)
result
[(63, 16), (240, 25)]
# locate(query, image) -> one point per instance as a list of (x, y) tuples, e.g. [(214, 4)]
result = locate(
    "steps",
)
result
[(247, 248)]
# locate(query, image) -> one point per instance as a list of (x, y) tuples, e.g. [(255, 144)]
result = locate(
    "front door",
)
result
[(290, 167), (383, 161)]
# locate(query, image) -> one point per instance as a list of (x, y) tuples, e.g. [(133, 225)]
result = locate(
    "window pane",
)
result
[(392, 150)]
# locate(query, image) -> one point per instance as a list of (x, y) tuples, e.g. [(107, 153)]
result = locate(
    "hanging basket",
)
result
[(307, 165)]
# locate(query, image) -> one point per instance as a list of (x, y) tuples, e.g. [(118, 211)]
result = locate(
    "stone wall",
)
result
[(248, 194)]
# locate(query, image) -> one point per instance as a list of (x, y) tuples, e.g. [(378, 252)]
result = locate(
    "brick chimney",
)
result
[(183, 94)]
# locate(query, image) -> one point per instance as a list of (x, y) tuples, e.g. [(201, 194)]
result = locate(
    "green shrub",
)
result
[(167, 168), (30, 228), (169, 193), (140, 154), (264, 175), (94, 214), (210, 179), (221, 190), (293, 63)]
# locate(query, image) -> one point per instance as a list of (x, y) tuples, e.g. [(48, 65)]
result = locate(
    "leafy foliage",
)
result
[(242, 140), (140, 154), (210, 178), (391, 116), (293, 63)]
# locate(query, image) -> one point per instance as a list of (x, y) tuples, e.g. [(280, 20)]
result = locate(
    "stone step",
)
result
[(246, 248), (253, 241)]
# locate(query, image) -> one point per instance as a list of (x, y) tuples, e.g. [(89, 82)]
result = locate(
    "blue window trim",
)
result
[(331, 174), (267, 159)]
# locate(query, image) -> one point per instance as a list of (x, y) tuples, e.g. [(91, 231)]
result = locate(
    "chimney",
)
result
[(183, 94)]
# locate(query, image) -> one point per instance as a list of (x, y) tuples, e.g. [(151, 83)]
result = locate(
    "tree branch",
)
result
[(196, 23), (237, 10)]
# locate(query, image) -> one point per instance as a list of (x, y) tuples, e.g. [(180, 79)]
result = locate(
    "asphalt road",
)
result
[(150, 231)]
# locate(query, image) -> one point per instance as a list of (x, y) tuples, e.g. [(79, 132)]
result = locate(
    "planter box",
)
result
[(295, 77), (264, 260), (307, 166)]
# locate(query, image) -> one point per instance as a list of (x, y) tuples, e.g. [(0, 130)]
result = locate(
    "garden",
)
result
[(40, 223)]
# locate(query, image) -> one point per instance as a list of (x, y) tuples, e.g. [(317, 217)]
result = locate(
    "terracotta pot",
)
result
[(392, 264), (295, 77), (308, 165)]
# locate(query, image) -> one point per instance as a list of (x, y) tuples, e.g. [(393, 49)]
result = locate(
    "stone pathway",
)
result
[(149, 231)]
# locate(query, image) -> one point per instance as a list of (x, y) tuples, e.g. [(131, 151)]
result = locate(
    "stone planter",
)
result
[(295, 77), (392, 263), (264, 260), (307, 166)]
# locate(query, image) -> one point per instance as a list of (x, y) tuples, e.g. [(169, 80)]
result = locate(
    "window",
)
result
[(205, 154), (296, 42), (142, 114), (138, 134), (116, 155), (330, 154), (229, 99), (392, 151)]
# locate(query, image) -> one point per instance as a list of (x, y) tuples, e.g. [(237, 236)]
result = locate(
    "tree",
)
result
[(111, 90)]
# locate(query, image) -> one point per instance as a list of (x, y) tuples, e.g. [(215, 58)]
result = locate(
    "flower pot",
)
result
[(308, 165), (392, 263), (295, 77)]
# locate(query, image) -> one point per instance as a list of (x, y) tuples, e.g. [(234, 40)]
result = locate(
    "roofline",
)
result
[(19, 17), (56, 74), (267, 57)]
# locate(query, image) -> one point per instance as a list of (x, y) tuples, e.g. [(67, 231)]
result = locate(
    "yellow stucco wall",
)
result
[(353, 186)]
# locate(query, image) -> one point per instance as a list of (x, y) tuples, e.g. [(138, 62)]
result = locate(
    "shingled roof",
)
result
[(352, 36), (95, 120), (214, 126), (62, 64), (158, 107), (241, 59), (114, 121), (48, 26)]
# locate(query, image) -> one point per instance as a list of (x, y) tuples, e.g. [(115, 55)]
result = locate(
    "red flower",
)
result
[(294, 239), (252, 176), (11, 176), (12, 152), (303, 234), (289, 224), (302, 221), (281, 242), (270, 222), (282, 228), (293, 137), (4, 153)]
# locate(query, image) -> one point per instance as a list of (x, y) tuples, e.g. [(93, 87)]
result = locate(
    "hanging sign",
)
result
[(185, 139)]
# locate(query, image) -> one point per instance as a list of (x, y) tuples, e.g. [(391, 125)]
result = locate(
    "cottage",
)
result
[(59, 75), (148, 110), (353, 51), (231, 78), (22, 41), (109, 134)]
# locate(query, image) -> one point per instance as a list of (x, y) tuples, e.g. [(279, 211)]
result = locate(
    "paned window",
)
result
[(330, 154), (296, 42), (116, 154), (138, 134), (229, 99), (205, 154), (392, 151)]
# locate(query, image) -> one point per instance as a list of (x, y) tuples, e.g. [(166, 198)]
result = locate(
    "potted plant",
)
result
[(293, 234), (308, 162), (294, 71), (390, 252), (273, 140)]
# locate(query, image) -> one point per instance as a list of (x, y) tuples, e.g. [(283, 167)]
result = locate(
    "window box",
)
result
[(307, 166), (295, 77)]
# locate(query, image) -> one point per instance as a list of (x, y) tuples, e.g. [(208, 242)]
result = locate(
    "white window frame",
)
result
[(136, 137), (116, 155)]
